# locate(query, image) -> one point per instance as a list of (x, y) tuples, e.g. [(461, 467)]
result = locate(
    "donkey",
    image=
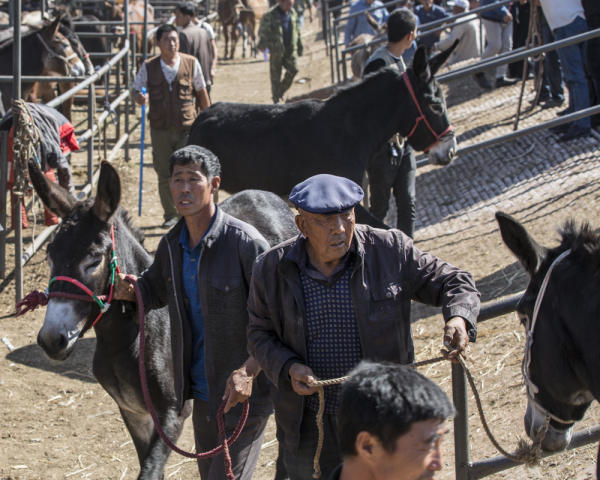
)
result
[(266, 146), (82, 250), (560, 311), (45, 51)]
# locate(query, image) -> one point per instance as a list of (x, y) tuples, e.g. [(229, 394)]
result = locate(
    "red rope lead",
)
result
[(220, 421)]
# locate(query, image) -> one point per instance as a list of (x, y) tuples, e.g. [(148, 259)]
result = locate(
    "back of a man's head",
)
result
[(385, 399), (400, 23), (187, 8)]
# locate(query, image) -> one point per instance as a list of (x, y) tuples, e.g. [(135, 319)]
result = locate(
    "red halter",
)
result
[(421, 116), (36, 298)]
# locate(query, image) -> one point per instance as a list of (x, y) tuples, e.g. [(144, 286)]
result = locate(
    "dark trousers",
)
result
[(299, 462), (386, 175), (279, 85), (552, 82), (244, 452)]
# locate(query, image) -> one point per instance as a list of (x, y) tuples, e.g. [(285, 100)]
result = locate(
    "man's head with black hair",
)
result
[(207, 160), (390, 422), (401, 22), (165, 28)]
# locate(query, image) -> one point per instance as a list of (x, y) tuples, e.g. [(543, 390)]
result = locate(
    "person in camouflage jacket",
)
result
[(279, 33)]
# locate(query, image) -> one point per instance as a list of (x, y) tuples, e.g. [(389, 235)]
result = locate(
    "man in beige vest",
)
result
[(176, 92)]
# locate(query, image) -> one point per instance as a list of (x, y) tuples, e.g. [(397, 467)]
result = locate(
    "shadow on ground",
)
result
[(77, 366)]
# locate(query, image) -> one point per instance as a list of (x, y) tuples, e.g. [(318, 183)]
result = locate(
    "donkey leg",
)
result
[(151, 450)]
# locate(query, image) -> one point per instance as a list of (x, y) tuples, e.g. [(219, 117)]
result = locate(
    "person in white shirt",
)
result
[(176, 92), (467, 32)]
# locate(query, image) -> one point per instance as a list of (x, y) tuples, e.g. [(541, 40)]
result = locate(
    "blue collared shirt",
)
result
[(190, 272), (424, 16), (358, 25)]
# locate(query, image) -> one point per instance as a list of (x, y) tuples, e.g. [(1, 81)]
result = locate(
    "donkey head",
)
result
[(58, 55), (432, 131), (558, 372), (81, 250)]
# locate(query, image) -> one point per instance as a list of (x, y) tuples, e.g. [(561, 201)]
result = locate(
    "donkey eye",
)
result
[(93, 265)]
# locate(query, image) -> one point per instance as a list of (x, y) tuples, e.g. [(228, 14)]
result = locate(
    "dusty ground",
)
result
[(56, 422)]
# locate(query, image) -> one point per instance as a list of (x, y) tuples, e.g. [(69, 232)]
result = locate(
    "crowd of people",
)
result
[(336, 299)]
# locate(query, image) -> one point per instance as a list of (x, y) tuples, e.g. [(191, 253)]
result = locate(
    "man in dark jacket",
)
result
[(202, 271), (338, 293)]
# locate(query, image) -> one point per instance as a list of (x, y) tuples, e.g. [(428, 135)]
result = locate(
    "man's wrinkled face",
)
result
[(169, 43), (417, 455), (329, 235)]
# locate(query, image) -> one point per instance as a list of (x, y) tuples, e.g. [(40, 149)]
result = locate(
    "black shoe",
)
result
[(566, 111), (482, 81), (505, 82), (552, 103), (575, 132), (170, 223)]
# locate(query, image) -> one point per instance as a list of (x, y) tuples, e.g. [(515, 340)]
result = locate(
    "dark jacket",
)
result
[(225, 266), (388, 272)]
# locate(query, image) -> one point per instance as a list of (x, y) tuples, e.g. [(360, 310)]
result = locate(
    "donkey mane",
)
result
[(583, 242)]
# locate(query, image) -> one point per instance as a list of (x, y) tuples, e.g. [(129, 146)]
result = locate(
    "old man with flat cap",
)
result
[(335, 294)]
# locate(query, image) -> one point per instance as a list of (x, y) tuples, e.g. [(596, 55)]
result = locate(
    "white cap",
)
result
[(459, 3)]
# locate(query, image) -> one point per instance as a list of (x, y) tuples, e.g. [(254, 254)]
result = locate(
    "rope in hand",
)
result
[(224, 447), (528, 453)]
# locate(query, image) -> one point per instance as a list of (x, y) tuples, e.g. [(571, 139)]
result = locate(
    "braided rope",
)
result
[(528, 453), (26, 137)]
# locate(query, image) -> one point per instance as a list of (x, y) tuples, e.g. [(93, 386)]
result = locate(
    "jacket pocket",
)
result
[(385, 303), (226, 295)]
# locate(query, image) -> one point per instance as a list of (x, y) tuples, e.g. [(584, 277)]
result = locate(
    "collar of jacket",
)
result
[(210, 237)]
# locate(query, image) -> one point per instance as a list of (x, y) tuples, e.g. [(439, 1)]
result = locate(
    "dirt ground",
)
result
[(56, 422)]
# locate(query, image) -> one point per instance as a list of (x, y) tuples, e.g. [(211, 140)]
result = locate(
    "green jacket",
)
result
[(271, 33)]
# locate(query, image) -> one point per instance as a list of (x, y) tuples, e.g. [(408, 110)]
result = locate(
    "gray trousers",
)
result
[(499, 40), (164, 143), (244, 452)]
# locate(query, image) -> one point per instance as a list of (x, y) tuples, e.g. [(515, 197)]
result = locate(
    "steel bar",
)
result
[(91, 79), (461, 423), (3, 188), (520, 133), (483, 468), (16, 94)]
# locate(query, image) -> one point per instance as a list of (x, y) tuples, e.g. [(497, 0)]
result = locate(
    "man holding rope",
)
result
[(202, 272), (338, 293)]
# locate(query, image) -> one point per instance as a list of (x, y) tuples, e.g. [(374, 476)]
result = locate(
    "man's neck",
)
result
[(354, 469), (396, 48), (169, 59), (326, 268), (199, 224)]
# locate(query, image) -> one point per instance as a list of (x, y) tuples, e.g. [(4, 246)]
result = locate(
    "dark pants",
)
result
[(552, 82), (244, 452), (399, 176), (299, 462)]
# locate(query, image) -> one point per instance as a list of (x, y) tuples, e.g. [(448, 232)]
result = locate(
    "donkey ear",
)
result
[(436, 62), (529, 253), (109, 193), (57, 199), (421, 66), (52, 29)]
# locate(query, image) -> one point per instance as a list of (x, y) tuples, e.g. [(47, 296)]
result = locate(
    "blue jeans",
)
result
[(572, 60)]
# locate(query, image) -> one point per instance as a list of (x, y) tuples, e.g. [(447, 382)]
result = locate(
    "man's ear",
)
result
[(215, 183), (299, 219), (367, 447)]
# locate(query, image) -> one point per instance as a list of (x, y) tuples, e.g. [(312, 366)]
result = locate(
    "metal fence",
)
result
[(94, 127)]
